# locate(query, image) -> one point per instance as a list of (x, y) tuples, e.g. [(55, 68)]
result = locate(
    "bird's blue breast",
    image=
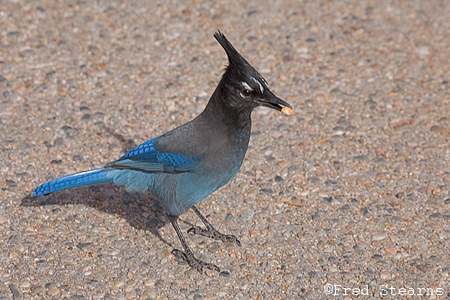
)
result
[(176, 192)]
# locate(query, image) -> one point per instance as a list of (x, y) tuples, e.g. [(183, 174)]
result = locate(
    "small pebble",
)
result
[(267, 191), (327, 199), (338, 131), (379, 236), (228, 217), (224, 274), (83, 246), (25, 285), (360, 158), (15, 291), (23, 146), (67, 129), (10, 183), (423, 51), (42, 265), (385, 275), (53, 292), (58, 142), (87, 117), (435, 216), (391, 250)]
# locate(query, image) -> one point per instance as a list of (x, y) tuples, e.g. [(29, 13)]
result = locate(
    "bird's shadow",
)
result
[(139, 210)]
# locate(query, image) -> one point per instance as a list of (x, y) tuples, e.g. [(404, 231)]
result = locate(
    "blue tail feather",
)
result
[(72, 181)]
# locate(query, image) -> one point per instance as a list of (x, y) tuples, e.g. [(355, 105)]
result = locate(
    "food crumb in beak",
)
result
[(287, 111)]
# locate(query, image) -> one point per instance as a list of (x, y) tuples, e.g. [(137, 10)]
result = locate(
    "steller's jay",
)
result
[(185, 165)]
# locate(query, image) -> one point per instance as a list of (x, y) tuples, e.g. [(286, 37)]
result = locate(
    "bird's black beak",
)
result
[(272, 101)]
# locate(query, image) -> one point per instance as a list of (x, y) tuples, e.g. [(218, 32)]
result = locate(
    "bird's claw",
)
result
[(193, 261), (214, 234)]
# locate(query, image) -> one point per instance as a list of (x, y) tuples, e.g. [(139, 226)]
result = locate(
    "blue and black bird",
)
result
[(185, 165)]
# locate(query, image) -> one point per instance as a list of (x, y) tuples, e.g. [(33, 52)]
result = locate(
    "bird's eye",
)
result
[(246, 93)]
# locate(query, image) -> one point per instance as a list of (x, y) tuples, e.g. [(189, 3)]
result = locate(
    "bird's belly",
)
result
[(176, 192), (190, 188)]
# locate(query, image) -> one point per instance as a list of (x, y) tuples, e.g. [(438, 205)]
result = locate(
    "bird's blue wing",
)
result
[(146, 158)]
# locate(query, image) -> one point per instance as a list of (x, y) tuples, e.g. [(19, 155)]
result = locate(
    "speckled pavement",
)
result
[(348, 198)]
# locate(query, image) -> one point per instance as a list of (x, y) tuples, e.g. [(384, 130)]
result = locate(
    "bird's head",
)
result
[(245, 88)]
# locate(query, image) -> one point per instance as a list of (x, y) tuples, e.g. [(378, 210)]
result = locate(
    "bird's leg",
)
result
[(187, 255), (210, 231)]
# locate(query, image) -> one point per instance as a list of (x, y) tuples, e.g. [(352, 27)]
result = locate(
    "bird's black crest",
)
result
[(234, 57)]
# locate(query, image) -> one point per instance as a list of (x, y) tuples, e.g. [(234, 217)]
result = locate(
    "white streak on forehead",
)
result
[(264, 81), (245, 85), (259, 83)]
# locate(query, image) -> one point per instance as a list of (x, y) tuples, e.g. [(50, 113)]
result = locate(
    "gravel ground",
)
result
[(352, 191)]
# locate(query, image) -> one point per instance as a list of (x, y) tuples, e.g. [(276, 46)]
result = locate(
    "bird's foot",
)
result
[(193, 261), (214, 234)]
